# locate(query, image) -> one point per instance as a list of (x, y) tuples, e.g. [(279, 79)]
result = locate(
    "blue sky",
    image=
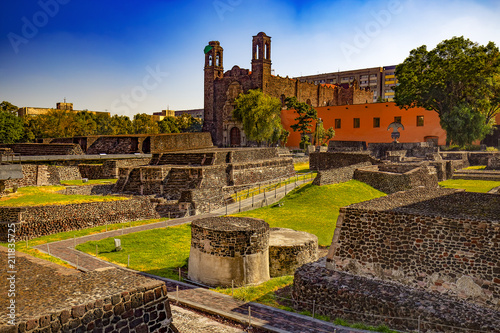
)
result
[(132, 56)]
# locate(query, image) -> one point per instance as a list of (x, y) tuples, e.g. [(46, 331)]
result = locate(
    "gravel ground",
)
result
[(191, 321)]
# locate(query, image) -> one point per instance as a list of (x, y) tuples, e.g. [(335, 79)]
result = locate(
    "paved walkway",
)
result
[(268, 318)]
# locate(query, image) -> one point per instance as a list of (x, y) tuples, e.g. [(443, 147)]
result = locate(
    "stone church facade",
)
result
[(222, 88)]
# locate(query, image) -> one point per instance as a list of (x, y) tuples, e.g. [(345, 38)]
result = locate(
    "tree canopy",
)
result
[(11, 126), (260, 115), (456, 78), (306, 115)]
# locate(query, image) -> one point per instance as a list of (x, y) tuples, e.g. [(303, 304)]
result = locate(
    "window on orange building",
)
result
[(376, 122), (357, 122), (337, 123), (397, 119), (420, 120)]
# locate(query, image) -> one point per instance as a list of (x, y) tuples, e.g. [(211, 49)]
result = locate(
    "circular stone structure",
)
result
[(289, 249), (226, 250)]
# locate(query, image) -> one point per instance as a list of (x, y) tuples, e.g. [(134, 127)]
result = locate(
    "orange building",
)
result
[(368, 122)]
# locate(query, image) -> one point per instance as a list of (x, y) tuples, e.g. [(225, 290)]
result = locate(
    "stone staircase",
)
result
[(477, 175)]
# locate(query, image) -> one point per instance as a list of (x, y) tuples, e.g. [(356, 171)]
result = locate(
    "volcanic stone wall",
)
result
[(394, 178), (180, 141), (331, 160), (414, 149), (386, 303), (436, 239), (253, 172), (66, 300), (338, 175), (39, 221), (69, 172), (36, 175)]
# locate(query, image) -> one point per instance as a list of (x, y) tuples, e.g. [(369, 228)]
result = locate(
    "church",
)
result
[(222, 88)]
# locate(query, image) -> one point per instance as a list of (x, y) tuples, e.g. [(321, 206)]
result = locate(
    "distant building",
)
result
[(380, 80), (158, 116), (195, 113), (35, 111)]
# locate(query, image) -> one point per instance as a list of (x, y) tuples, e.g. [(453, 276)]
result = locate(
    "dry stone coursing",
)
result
[(98, 189), (413, 149), (227, 250), (356, 298), (289, 249), (39, 221), (36, 175), (397, 177), (424, 238), (338, 175), (332, 160), (494, 163), (43, 149), (69, 172), (66, 300)]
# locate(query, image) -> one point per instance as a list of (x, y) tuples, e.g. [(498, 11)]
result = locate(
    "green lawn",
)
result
[(159, 251), (481, 186), (46, 195), (476, 167), (21, 246), (315, 209), (79, 182)]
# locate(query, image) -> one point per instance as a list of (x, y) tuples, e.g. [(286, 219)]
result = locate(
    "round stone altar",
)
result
[(289, 249), (229, 249)]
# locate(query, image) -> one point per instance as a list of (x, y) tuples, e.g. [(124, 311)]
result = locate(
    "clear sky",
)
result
[(131, 56)]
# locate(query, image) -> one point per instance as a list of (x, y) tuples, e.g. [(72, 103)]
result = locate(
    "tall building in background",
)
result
[(380, 80)]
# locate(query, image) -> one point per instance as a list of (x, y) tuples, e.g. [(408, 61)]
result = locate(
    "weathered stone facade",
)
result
[(390, 178), (227, 250), (338, 175), (356, 298), (222, 88), (36, 221), (36, 175), (43, 149), (66, 300), (289, 249), (434, 239)]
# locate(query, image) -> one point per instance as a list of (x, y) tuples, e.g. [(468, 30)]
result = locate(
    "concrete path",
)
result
[(264, 317)]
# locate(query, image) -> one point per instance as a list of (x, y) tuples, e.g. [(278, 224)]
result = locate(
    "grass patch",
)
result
[(47, 195), (21, 246), (159, 251), (301, 167), (263, 293), (315, 209), (476, 167), (79, 182), (481, 186)]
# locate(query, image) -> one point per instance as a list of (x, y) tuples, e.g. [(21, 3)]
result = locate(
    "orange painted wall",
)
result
[(366, 132)]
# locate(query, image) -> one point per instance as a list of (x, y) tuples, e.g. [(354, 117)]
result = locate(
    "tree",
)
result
[(121, 125), (11, 126), (8, 107), (306, 115), (168, 125), (187, 123), (463, 125), (144, 124), (260, 115), (457, 75)]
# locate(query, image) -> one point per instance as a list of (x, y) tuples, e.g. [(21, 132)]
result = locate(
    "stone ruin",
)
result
[(202, 180), (227, 250), (428, 252), (67, 300), (242, 251)]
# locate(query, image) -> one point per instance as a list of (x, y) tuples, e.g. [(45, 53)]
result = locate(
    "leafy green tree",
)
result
[(8, 107), (121, 125), (306, 115), (463, 125), (168, 125), (86, 123), (284, 137), (260, 115), (188, 123), (11, 126), (456, 75), (144, 124)]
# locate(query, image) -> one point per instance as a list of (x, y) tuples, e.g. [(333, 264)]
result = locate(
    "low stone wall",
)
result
[(413, 149), (435, 239), (100, 189), (39, 221), (66, 300), (254, 172), (494, 163), (338, 175), (253, 154), (289, 249), (329, 160), (36, 175), (180, 141), (360, 299), (44, 149), (389, 181), (69, 172), (336, 146)]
